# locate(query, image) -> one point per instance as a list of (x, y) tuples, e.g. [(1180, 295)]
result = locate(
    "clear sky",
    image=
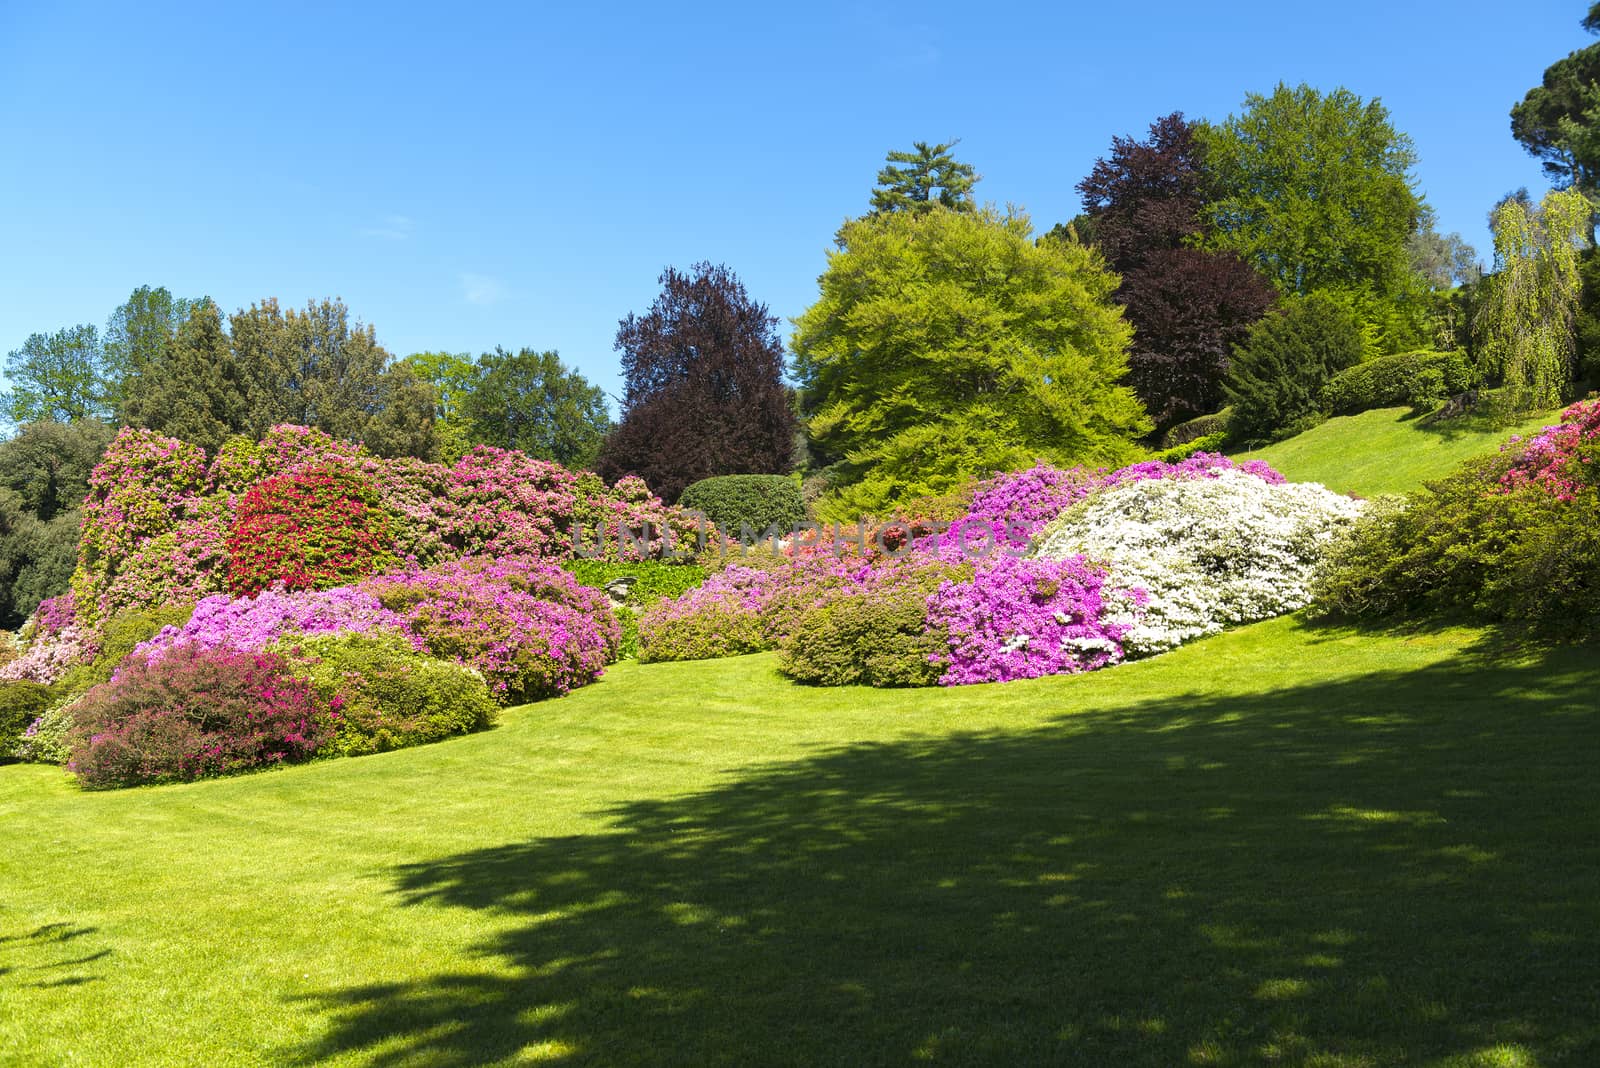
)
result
[(466, 175)]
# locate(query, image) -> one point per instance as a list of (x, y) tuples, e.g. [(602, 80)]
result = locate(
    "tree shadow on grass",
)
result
[(1394, 868), (38, 958)]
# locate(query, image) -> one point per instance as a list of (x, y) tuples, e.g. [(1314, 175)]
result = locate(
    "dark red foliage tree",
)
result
[(705, 394), (1189, 307)]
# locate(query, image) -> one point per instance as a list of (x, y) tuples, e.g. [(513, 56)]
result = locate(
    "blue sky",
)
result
[(469, 175)]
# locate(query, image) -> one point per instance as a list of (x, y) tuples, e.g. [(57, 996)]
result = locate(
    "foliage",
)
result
[(1557, 119), (529, 627), (1528, 322), (1189, 307), (945, 345), (1315, 190), (403, 424), (1513, 536), (21, 703), (192, 713), (189, 387), (1420, 379), (47, 464), (1278, 375), (926, 177), (140, 335), (117, 637), (453, 376), (57, 377), (721, 617), (641, 585), (1443, 261), (251, 624), (382, 694), (1207, 552), (755, 502), (704, 386), (532, 402), (872, 633), (313, 528), (1200, 426), (48, 739)]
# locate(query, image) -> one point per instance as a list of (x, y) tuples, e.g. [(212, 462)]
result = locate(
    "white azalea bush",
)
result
[(1209, 553)]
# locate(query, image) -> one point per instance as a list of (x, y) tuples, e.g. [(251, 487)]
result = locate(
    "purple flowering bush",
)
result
[(192, 713), (251, 624), (529, 627)]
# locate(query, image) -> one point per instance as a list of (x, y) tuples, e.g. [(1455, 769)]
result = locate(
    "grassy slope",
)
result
[(1386, 450), (1282, 844)]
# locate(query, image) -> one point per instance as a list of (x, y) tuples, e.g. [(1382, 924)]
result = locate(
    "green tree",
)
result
[(59, 376), (313, 367), (405, 423), (189, 389), (949, 344), (1558, 121), (1528, 322), (1277, 375), (924, 178), (531, 401), (453, 376), (1315, 190), (140, 333)]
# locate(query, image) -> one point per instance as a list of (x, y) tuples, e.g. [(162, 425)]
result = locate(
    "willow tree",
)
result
[(1528, 323)]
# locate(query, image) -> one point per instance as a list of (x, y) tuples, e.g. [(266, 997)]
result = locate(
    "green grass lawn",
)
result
[(1387, 450), (1284, 845)]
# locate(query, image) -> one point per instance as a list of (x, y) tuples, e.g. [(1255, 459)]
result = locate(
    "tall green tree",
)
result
[(1275, 380), (59, 376), (531, 401), (140, 333), (453, 376), (1558, 121), (405, 423), (190, 388), (949, 344), (1528, 323), (926, 177), (1315, 190)]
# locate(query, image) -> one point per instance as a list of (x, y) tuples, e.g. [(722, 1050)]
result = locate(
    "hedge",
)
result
[(1415, 378), (1203, 426), (757, 501)]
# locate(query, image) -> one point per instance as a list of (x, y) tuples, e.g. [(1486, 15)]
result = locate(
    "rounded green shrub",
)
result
[(20, 704), (1415, 378), (634, 587), (383, 694), (754, 501)]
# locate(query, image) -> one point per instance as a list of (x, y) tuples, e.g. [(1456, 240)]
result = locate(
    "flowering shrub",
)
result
[(240, 463), (312, 528), (1022, 618), (527, 626), (721, 617), (1208, 552), (1560, 459), (251, 624), (48, 739), (191, 713), (51, 655), (181, 566), (382, 694), (21, 704)]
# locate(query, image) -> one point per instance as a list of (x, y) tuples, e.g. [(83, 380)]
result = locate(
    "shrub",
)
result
[(1209, 553), (119, 636), (20, 704), (1277, 376), (722, 617), (872, 634), (529, 627), (1201, 426), (307, 530), (1179, 453), (1514, 536), (48, 739), (191, 713), (251, 624), (755, 502), (382, 694), (634, 588), (1415, 378)]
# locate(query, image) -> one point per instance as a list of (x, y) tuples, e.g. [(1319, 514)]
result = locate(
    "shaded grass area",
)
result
[(1387, 450), (1284, 845)]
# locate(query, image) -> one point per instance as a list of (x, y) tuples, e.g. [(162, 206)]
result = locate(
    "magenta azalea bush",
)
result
[(192, 713), (251, 624), (527, 626), (1560, 458)]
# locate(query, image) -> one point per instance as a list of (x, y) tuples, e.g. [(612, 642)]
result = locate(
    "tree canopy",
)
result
[(926, 177), (58, 376), (1558, 121), (947, 344), (531, 401), (704, 391)]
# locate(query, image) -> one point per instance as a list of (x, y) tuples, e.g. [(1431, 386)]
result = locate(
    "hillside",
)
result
[(1282, 844), (1387, 450)]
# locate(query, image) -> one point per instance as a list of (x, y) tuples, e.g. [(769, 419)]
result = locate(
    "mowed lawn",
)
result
[(1387, 450), (1286, 845)]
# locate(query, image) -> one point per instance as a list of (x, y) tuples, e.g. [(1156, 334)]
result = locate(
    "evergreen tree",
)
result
[(924, 178), (140, 333), (59, 376), (191, 389), (1276, 377)]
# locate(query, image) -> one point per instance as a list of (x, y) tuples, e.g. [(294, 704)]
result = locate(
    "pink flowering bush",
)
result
[(1562, 459), (527, 626), (721, 617), (251, 624), (192, 713), (55, 643), (179, 567)]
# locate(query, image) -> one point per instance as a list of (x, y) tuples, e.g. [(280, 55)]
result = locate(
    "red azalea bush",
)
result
[(193, 713), (307, 530)]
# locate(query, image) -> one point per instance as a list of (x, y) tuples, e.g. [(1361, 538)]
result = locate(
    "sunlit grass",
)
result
[(1284, 845)]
